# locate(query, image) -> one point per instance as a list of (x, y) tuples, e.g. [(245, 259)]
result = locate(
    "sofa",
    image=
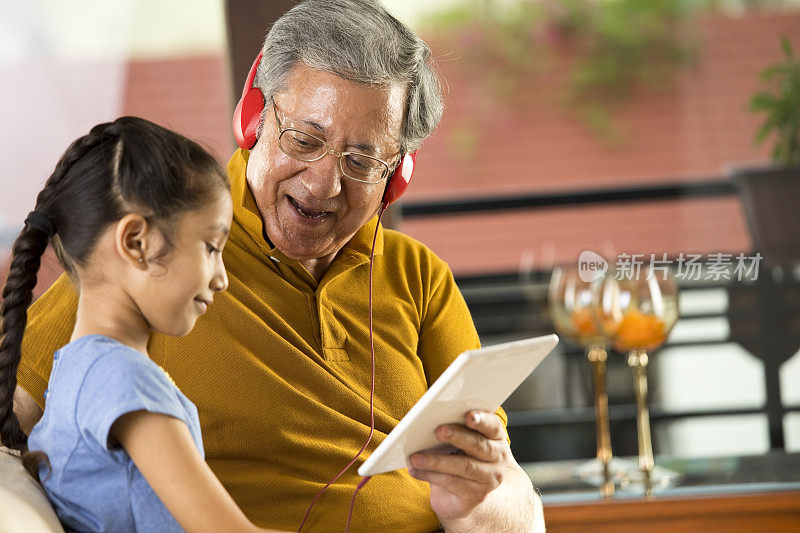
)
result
[(24, 507)]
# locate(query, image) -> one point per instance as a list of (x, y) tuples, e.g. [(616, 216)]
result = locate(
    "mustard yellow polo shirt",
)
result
[(279, 369)]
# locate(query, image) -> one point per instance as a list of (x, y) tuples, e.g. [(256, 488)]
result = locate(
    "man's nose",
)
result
[(323, 178)]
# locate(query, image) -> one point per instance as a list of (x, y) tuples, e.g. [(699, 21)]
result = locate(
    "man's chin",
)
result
[(302, 254)]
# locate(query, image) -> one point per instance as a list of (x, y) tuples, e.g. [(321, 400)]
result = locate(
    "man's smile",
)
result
[(307, 211)]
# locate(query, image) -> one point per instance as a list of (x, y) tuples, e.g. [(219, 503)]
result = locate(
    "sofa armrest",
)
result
[(24, 506)]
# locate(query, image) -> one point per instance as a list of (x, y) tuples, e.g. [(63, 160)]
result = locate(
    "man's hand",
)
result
[(462, 483)]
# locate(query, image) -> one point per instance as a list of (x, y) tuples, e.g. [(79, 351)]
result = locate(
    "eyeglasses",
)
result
[(306, 147)]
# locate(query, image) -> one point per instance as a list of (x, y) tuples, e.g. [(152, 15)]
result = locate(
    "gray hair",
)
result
[(362, 42)]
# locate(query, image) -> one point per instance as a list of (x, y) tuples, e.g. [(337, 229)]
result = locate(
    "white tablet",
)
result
[(477, 379)]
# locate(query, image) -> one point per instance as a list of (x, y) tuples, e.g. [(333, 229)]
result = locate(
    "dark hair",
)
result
[(129, 165)]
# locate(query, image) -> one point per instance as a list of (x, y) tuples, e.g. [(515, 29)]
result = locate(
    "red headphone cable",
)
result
[(353, 501), (371, 393)]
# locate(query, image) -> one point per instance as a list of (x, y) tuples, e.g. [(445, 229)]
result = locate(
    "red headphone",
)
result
[(247, 119)]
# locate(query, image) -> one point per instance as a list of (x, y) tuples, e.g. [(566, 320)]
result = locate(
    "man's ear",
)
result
[(132, 240)]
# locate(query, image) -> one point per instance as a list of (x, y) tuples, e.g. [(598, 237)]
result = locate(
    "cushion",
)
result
[(24, 506)]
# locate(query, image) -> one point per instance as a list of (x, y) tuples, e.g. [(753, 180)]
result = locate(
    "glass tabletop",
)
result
[(568, 481)]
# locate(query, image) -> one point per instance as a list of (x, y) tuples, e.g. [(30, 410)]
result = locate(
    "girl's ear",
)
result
[(132, 239)]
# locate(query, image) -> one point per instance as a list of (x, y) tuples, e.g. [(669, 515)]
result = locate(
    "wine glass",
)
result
[(571, 301), (638, 313)]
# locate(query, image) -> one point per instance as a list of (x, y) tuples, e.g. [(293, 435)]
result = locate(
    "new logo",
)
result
[(591, 266)]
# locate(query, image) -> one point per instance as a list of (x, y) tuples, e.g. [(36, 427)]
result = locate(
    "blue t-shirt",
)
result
[(94, 381)]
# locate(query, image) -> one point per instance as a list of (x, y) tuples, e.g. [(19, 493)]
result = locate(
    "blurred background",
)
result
[(614, 126)]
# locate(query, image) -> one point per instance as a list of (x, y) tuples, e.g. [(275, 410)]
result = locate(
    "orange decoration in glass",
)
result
[(638, 330), (583, 322)]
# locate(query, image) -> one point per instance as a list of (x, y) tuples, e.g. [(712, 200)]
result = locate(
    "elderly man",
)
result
[(280, 368)]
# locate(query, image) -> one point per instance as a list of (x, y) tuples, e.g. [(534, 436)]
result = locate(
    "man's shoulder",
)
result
[(406, 250)]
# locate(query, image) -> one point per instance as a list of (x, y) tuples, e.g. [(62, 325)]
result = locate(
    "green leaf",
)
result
[(763, 131), (779, 70), (787, 47), (763, 102)]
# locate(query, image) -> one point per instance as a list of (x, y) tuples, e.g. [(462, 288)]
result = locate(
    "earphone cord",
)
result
[(371, 395), (353, 501)]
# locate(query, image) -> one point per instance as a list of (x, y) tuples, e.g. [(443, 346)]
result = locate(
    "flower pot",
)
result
[(771, 201)]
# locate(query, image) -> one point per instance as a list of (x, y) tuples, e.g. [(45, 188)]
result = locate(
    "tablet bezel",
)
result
[(442, 406)]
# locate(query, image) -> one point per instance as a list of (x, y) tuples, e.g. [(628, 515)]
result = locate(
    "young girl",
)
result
[(138, 216)]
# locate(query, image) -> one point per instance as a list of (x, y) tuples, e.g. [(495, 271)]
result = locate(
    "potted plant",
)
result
[(771, 195)]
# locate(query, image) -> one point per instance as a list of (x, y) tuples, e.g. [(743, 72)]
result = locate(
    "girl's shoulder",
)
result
[(90, 346), (87, 351), (102, 364), (111, 379)]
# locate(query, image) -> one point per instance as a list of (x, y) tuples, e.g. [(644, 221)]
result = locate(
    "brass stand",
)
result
[(597, 356), (637, 360)]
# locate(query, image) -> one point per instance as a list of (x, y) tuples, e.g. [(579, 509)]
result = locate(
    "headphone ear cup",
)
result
[(247, 116), (399, 180)]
